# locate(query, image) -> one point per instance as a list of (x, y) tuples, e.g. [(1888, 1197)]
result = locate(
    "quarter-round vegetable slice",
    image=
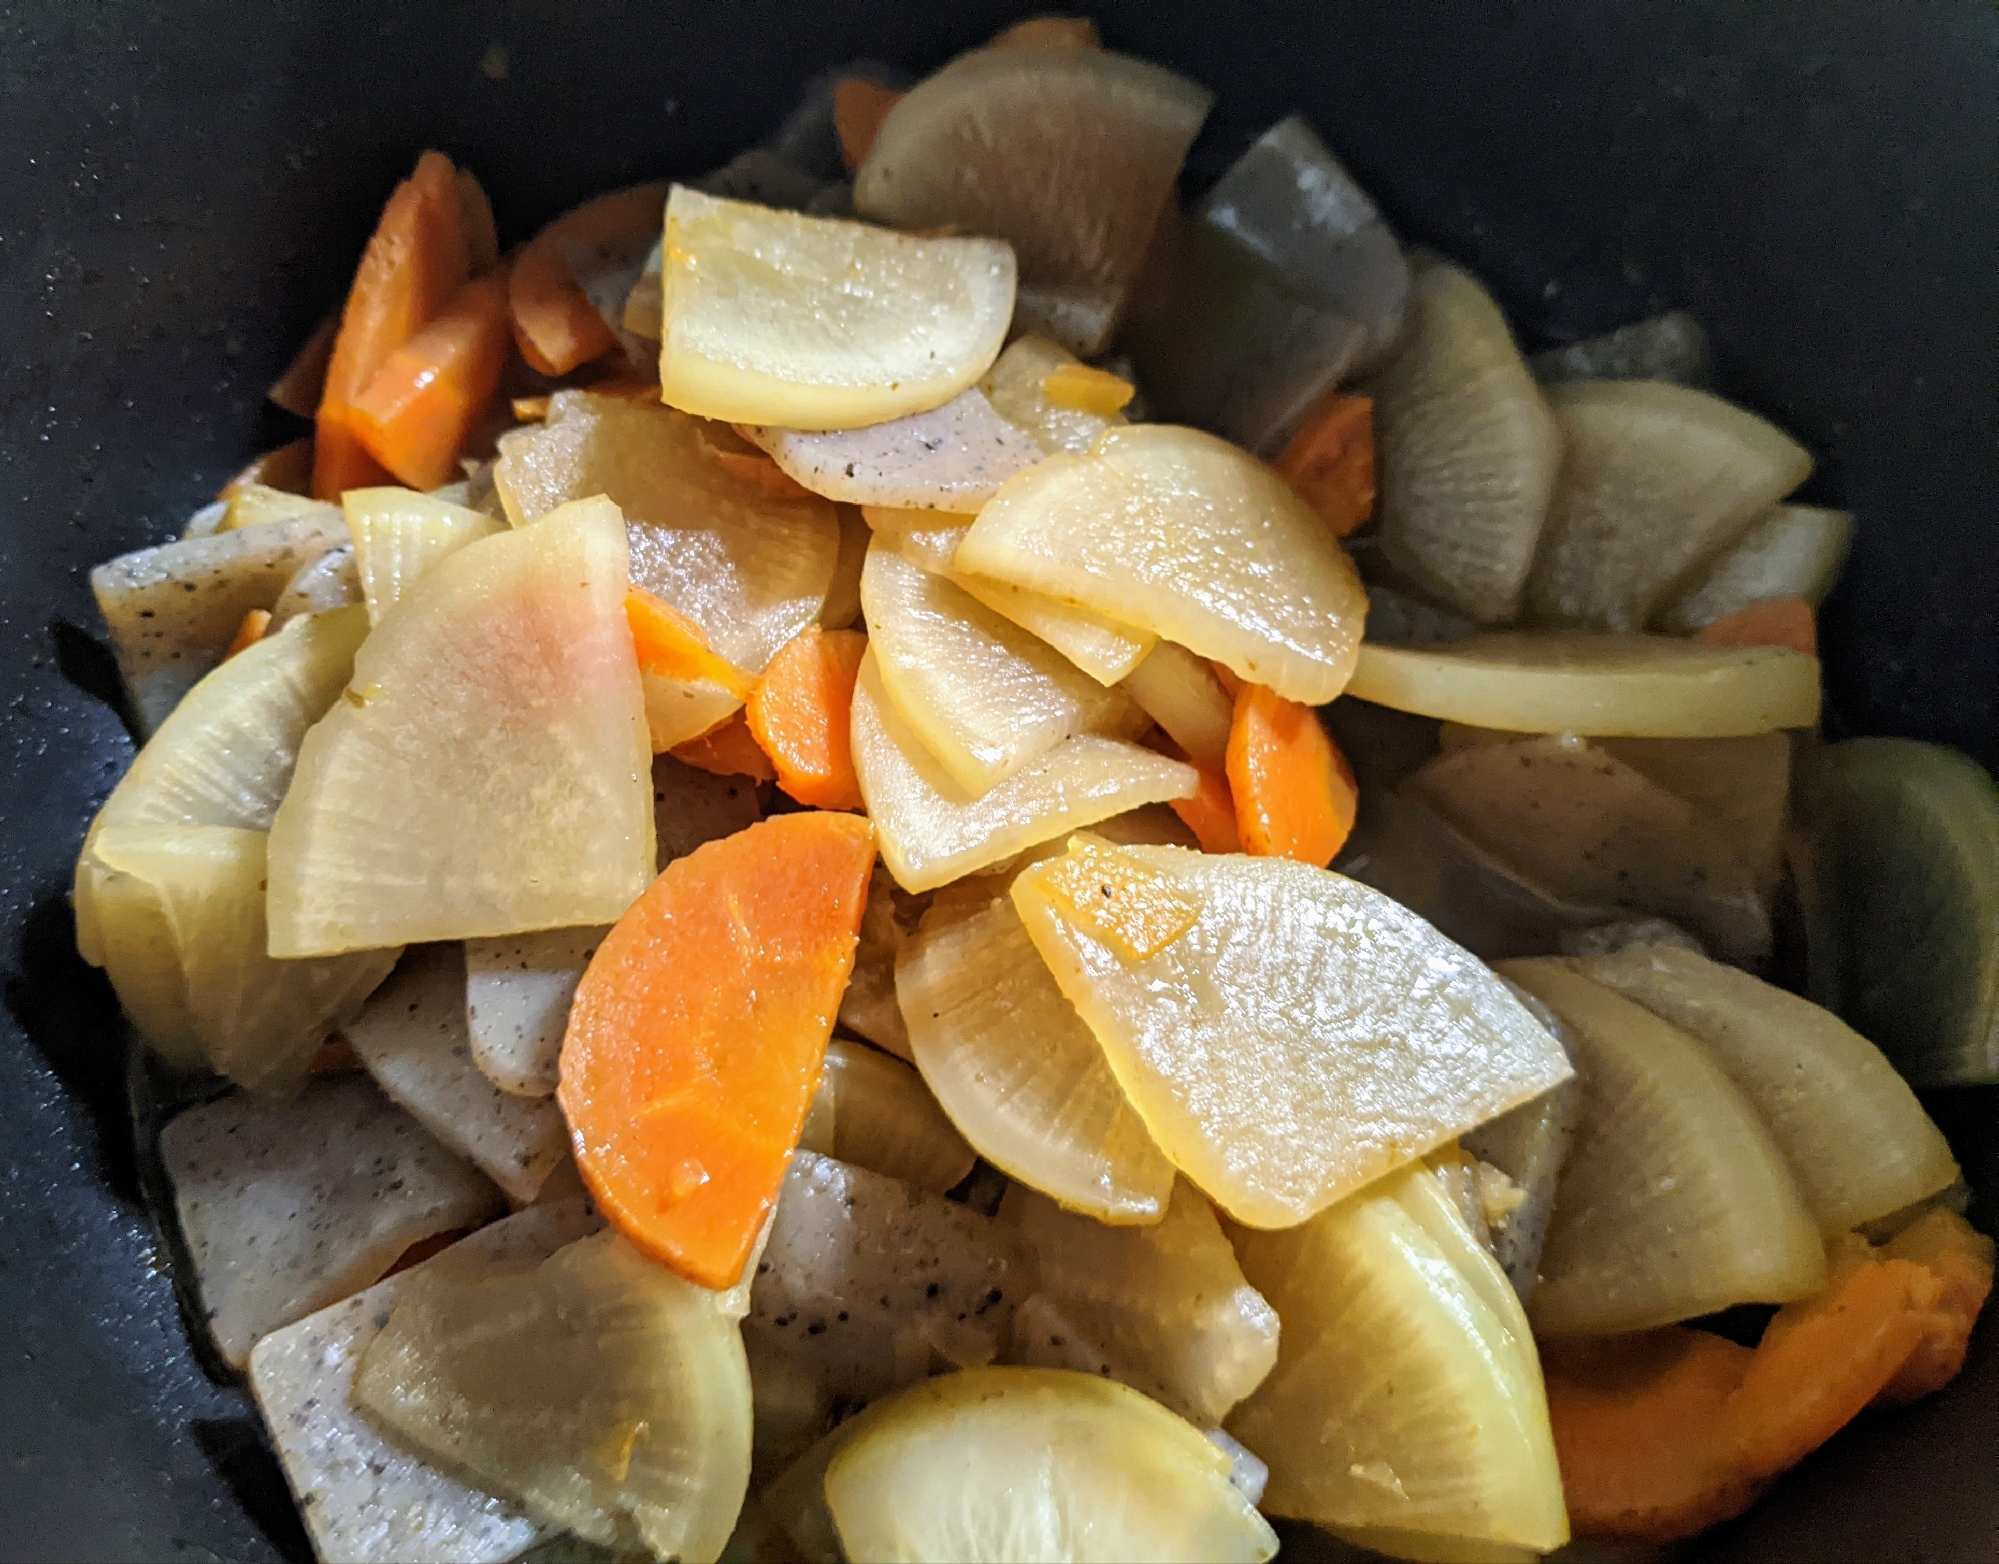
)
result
[(1467, 450), (1793, 551), (1181, 693), (1676, 1200), (399, 534), (813, 323), (1854, 1134), (1578, 682), (1656, 480), (1018, 1464), (1067, 155), (1188, 537), (1288, 1035), (885, 1120), (1664, 347), (517, 996), (1018, 387)]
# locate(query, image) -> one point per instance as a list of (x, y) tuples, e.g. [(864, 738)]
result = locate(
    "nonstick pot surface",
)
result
[(184, 188)]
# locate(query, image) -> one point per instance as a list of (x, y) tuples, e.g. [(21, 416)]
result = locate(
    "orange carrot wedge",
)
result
[(249, 632), (801, 715), (1960, 1258), (1330, 462), (673, 646), (475, 212), (1294, 792), (699, 1030), (555, 324), (1776, 621), (1210, 812), (429, 393), (728, 749), (410, 270), (859, 107), (289, 468), (298, 389)]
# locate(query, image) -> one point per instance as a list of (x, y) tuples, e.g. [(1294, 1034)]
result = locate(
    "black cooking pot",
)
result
[(184, 188)]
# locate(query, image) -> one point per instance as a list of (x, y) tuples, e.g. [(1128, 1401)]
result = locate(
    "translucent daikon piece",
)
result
[(1017, 388), (517, 996), (885, 1120), (399, 534), (1181, 693), (1663, 347), (331, 581), (1793, 551)]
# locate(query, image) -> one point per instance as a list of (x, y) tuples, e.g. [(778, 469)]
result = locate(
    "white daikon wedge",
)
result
[(173, 610), (329, 582), (885, 1120), (1105, 650), (1287, 1034), (813, 323), (1165, 1307), (1676, 1200), (843, 1240), (487, 770), (1854, 1134), (1467, 450), (517, 995), (1657, 481), (288, 1206), (1793, 551), (1182, 693), (1008, 1465), (599, 1391), (931, 831), (1664, 347), (1571, 817), (951, 458), (399, 534), (1407, 1395), (985, 698), (1566, 682), (1188, 537), (1017, 1070), (750, 567), (869, 1006), (1068, 155), (1018, 387), (412, 1039), (363, 1498)]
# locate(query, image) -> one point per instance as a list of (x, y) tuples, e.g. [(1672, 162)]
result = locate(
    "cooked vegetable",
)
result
[(1656, 481), (869, 1005), (801, 714), (1664, 347), (1792, 551), (1022, 385), (812, 323), (696, 1036), (843, 594), (885, 1120), (1528, 1145), (416, 414), (1210, 813), (1066, 154), (859, 107), (299, 388), (1170, 530), (1162, 1308), (288, 1206), (1287, 1035), (1676, 1201), (1020, 1075), (1013, 1464), (1330, 462), (1960, 1259), (517, 994), (1783, 621), (249, 632), (728, 749), (1406, 1398), (1181, 693), (250, 503), (689, 690), (1467, 450), (329, 582), (1293, 791), (398, 535), (600, 1391), (1595, 684), (932, 832), (555, 324)]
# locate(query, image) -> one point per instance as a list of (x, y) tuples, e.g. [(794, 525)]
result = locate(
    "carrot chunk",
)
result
[(673, 646), (728, 749), (299, 388), (1960, 1258), (699, 1030), (1776, 621), (1330, 462), (249, 632), (801, 715), (1295, 795), (859, 107), (424, 401), (555, 324)]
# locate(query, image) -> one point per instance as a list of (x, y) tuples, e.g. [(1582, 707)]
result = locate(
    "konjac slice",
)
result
[(691, 806), (517, 995), (1467, 448), (885, 1120), (1793, 551), (329, 582), (1068, 155), (1288, 1035), (696, 1036), (399, 534), (812, 323), (486, 772), (984, 697), (933, 831), (1854, 1134), (1006, 1465), (1181, 534), (1676, 1201), (1017, 1070)]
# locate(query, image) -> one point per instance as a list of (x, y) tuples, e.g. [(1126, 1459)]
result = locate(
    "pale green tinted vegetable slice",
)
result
[(1854, 1134), (1576, 682), (599, 1390), (1302, 1036), (1663, 347), (1407, 1394), (1009, 1464), (1467, 450), (1676, 1200), (1907, 845), (1793, 551), (398, 535), (517, 995), (1656, 481), (1181, 693), (885, 1120)]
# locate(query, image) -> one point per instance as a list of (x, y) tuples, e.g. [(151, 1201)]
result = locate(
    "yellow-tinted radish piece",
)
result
[(1792, 551), (1018, 387)]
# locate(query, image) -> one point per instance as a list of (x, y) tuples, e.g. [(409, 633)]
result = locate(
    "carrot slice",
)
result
[(859, 107), (699, 1030), (673, 646), (1084, 389), (299, 388), (555, 324), (421, 406), (1210, 812), (801, 715), (289, 468), (1776, 621), (1330, 462), (1960, 1258), (728, 749), (1295, 795), (249, 632), (482, 235), (413, 265)]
